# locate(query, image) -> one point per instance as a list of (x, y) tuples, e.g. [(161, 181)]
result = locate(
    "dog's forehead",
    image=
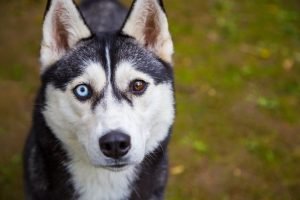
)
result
[(125, 49), (108, 52), (73, 64)]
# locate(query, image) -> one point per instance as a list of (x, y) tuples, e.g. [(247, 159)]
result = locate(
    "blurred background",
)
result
[(237, 69)]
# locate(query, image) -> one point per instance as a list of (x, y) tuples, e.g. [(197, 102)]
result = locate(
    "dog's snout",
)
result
[(115, 144)]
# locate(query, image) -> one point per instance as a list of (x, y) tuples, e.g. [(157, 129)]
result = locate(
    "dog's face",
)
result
[(108, 97)]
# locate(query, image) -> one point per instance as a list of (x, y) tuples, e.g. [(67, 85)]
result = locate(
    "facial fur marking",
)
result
[(108, 62), (111, 88), (97, 99)]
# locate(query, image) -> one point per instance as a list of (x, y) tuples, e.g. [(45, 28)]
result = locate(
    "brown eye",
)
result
[(138, 87)]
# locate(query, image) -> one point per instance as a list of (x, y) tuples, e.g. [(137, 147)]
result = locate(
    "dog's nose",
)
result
[(115, 144)]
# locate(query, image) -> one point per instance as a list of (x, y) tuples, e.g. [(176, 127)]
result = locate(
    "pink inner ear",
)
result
[(151, 31), (60, 32)]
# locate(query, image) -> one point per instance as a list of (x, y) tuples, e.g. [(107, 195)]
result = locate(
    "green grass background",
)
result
[(237, 70)]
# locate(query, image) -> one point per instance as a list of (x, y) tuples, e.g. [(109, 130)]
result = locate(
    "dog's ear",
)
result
[(147, 23), (63, 27)]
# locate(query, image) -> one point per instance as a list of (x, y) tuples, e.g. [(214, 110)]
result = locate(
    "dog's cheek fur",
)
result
[(160, 114), (152, 112), (73, 121), (63, 119), (156, 113)]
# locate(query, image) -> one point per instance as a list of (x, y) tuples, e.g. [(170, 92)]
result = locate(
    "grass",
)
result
[(237, 68)]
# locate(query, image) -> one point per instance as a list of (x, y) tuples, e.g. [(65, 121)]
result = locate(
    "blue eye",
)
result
[(82, 92)]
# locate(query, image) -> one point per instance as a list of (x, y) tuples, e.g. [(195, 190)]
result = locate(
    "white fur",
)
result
[(135, 27), (101, 184), (107, 57), (73, 23), (79, 127), (153, 112)]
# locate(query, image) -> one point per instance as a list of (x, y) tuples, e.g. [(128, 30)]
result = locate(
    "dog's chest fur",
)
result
[(100, 184)]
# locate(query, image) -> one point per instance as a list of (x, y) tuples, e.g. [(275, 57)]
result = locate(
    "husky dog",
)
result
[(105, 108)]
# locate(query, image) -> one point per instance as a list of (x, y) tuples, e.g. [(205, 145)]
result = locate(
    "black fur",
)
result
[(153, 176), (121, 48), (96, 13), (45, 174)]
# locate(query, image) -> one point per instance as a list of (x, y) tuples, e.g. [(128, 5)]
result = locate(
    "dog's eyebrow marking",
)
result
[(107, 57), (108, 85)]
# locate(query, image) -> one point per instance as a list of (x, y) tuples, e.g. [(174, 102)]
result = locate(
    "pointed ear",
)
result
[(63, 27), (147, 23)]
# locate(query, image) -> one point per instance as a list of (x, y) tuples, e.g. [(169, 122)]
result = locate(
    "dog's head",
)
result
[(108, 96)]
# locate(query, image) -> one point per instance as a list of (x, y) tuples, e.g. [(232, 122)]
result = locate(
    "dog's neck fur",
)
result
[(97, 183), (59, 175)]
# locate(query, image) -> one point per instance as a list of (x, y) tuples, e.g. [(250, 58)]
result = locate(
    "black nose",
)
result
[(115, 144)]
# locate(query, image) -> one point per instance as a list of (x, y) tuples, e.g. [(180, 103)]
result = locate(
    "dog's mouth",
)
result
[(117, 167)]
